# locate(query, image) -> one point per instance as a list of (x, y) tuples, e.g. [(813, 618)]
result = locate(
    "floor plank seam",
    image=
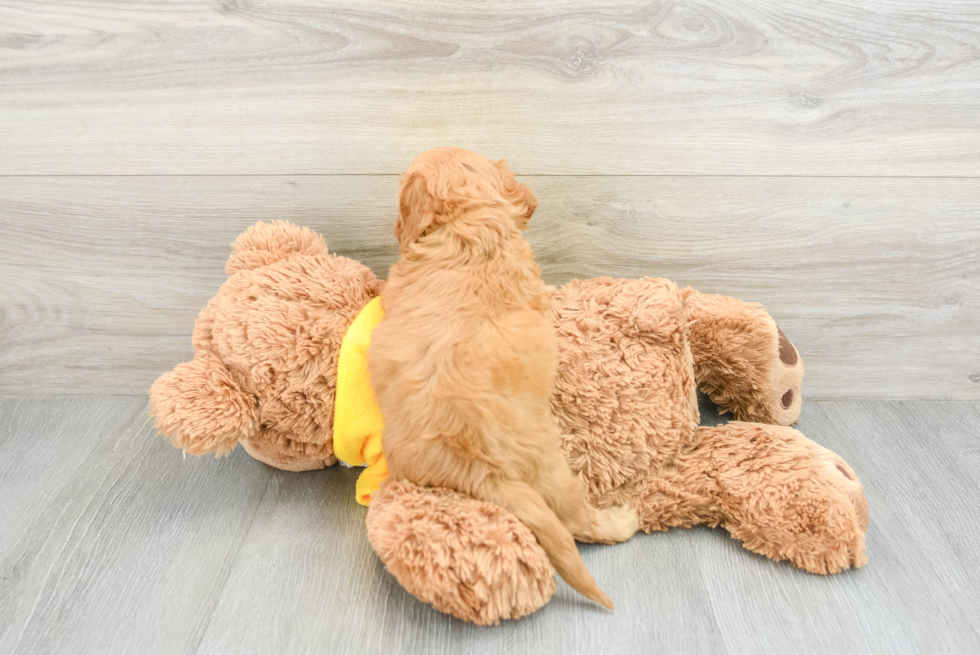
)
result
[(233, 564), (62, 558), (707, 592)]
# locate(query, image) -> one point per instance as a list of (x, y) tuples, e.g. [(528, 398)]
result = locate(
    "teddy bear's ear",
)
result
[(267, 243), (200, 408)]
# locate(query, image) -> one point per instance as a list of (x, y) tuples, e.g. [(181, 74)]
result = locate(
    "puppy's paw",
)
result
[(612, 525)]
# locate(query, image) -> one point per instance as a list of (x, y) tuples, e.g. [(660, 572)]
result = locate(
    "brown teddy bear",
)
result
[(632, 352)]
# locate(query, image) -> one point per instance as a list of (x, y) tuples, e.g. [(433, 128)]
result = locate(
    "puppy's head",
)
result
[(443, 182)]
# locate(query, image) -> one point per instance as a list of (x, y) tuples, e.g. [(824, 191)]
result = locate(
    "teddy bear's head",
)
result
[(264, 371)]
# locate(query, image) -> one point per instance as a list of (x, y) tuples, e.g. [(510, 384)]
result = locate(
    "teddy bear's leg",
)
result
[(783, 495), (200, 408), (745, 364), (465, 557)]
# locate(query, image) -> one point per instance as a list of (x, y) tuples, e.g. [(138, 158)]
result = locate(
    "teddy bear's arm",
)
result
[(742, 361)]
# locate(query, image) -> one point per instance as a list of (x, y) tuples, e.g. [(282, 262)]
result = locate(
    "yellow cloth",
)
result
[(357, 422)]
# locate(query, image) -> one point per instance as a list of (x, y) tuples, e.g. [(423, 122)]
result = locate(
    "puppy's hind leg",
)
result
[(611, 525), (565, 493)]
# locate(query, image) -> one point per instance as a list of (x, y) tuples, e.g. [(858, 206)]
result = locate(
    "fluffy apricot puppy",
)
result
[(464, 363)]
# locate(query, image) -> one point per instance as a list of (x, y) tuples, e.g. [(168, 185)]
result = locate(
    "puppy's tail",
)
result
[(528, 505)]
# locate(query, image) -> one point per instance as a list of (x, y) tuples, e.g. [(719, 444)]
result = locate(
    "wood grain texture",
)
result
[(110, 541), (877, 87), (877, 281)]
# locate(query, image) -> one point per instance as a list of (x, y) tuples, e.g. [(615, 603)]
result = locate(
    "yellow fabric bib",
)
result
[(357, 424)]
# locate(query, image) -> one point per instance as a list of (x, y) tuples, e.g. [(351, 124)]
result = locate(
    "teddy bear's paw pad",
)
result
[(787, 351), (465, 557), (785, 379), (612, 525), (851, 486)]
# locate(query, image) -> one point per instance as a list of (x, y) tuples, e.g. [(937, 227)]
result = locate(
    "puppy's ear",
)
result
[(416, 210), (517, 194)]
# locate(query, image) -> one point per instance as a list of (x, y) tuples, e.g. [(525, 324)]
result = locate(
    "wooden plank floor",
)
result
[(112, 541)]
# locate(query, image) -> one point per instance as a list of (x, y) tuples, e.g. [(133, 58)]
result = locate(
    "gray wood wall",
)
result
[(823, 159)]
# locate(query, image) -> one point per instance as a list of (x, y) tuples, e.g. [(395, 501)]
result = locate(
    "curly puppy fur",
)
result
[(464, 362)]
